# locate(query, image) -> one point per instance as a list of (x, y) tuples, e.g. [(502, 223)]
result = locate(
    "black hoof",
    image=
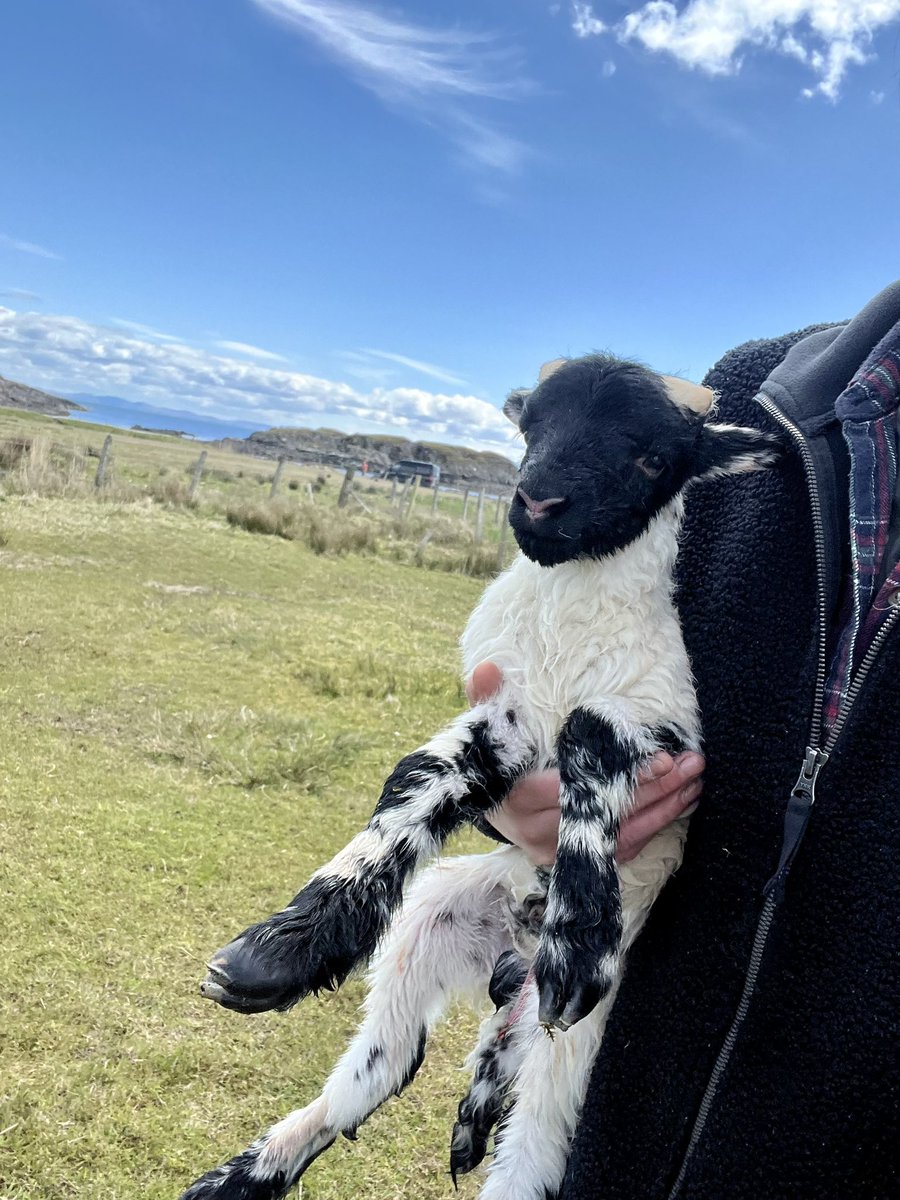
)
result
[(467, 1149), (561, 1006), (245, 980), (310, 946), (571, 980)]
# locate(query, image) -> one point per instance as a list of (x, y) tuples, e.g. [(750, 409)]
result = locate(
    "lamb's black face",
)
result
[(606, 449)]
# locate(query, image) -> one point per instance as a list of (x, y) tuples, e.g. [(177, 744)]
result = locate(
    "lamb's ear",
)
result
[(515, 403), (692, 396), (732, 450)]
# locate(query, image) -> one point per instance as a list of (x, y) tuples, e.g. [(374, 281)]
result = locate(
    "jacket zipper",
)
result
[(802, 798)]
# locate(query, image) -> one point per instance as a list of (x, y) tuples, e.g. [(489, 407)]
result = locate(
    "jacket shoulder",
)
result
[(739, 374)]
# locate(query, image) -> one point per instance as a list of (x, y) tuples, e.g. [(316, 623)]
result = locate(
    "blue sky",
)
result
[(383, 216)]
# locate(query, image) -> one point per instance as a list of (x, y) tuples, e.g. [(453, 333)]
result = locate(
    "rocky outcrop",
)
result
[(17, 395), (329, 447)]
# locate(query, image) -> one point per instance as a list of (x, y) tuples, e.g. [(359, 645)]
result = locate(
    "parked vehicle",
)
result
[(408, 468)]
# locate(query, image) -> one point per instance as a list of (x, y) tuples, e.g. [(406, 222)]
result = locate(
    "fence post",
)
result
[(466, 504), (276, 479), (479, 517), (501, 549), (412, 497), (100, 477), (198, 475), (344, 495), (434, 499), (393, 492), (499, 511)]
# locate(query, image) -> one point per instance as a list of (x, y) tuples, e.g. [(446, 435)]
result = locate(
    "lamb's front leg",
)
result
[(577, 960), (335, 922)]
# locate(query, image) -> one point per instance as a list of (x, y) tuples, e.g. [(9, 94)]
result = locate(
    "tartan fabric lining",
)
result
[(867, 410)]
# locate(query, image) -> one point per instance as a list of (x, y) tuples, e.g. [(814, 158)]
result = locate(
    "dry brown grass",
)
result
[(48, 459)]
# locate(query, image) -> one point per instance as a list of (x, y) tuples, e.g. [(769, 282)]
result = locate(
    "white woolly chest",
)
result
[(602, 634)]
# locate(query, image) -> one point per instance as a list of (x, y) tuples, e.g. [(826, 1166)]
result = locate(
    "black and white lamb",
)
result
[(595, 681)]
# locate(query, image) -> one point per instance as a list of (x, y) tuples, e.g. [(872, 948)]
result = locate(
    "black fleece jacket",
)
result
[(804, 1099)]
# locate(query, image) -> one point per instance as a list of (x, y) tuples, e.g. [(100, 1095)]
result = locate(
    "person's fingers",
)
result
[(664, 776), (483, 682), (637, 831), (533, 793), (529, 816), (537, 834)]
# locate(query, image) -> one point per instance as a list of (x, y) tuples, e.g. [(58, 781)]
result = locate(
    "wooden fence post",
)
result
[(197, 476), (393, 492), (414, 491), (100, 477), (466, 504), (499, 512), (276, 479), (501, 549), (344, 495), (479, 517), (434, 499)]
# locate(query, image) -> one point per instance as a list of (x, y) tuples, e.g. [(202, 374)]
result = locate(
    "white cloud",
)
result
[(608, 69), (435, 73), (66, 354), (877, 97), (251, 351), (584, 22), (828, 36), (11, 243)]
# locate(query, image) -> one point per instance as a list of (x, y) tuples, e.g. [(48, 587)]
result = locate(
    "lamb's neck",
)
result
[(643, 566)]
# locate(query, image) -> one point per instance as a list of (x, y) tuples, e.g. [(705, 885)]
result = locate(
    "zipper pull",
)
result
[(796, 818)]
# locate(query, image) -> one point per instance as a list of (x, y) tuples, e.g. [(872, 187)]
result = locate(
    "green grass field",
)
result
[(193, 718)]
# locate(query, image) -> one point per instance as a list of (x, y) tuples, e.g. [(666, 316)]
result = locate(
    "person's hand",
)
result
[(668, 787)]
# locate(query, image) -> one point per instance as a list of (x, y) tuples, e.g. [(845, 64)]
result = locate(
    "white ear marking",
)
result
[(689, 395)]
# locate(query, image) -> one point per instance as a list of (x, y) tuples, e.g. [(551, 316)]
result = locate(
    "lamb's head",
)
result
[(608, 444)]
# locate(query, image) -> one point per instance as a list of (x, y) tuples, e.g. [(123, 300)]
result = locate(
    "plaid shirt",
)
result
[(867, 410)]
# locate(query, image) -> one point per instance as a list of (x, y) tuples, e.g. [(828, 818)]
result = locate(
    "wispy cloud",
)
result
[(20, 294), (827, 36), (66, 354), (11, 243), (144, 330), (415, 364), (436, 74), (251, 351)]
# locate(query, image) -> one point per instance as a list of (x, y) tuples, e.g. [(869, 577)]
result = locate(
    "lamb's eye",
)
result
[(651, 464)]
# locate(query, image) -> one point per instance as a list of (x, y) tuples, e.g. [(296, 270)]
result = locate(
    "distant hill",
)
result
[(127, 414), (458, 464), (17, 395)]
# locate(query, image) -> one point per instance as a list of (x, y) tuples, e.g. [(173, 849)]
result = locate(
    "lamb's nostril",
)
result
[(540, 508)]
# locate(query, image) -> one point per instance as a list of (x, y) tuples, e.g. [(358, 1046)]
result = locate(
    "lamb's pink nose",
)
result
[(540, 508)]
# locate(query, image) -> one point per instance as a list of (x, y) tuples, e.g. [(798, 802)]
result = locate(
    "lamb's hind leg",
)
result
[(577, 960), (446, 939), (494, 1063), (335, 922)]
